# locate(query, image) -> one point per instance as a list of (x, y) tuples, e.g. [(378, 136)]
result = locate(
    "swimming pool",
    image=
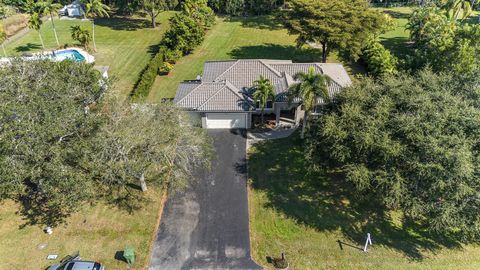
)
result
[(68, 54)]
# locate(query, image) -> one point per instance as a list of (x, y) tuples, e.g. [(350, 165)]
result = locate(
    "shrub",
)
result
[(81, 35), (379, 60), (165, 68), (171, 56), (184, 35), (234, 7), (147, 77), (199, 11), (259, 7)]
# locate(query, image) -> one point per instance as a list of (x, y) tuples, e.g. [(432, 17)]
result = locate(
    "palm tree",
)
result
[(35, 22), (458, 9), (3, 37), (95, 8), (263, 92), (309, 88), (49, 7)]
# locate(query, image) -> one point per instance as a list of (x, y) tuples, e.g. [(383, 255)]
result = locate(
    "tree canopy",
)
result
[(410, 141), (442, 42), (64, 142), (336, 25)]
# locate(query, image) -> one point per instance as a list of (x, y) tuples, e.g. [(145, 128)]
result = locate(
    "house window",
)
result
[(269, 104)]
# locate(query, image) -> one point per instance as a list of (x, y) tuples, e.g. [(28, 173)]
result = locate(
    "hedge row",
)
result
[(184, 35), (147, 77)]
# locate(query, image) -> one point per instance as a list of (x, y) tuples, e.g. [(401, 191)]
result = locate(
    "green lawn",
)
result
[(304, 216), (122, 44), (237, 38), (396, 40), (98, 232)]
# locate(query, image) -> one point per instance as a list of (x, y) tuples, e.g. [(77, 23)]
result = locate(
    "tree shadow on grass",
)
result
[(28, 47), (326, 202), (276, 51), (397, 15), (36, 210), (399, 46), (268, 22), (122, 23)]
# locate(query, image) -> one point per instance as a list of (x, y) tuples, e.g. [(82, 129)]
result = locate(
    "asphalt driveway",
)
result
[(206, 226)]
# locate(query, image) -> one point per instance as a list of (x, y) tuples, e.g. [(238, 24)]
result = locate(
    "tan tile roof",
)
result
[(225, 84)]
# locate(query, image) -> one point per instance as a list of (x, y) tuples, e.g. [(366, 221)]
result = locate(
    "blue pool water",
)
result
[(68, 54)]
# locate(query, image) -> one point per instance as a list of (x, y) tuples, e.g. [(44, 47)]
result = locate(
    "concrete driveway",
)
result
[(206, 226)]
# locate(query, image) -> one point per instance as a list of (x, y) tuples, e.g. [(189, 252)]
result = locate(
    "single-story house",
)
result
[(221, 96)]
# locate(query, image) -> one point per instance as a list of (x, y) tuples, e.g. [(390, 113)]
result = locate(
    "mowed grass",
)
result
[(304, 215), (396, 40), (98, 232), (123, 44), (235, 38)]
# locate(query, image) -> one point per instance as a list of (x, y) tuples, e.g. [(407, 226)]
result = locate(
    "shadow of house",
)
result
[(325, 201)]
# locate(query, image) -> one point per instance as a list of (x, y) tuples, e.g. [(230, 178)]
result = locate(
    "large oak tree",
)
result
[(342, 25), (411, 141), (65, 141)]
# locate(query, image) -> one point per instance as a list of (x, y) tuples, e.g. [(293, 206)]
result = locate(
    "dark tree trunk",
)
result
[(154, 23), (324, 52), (262, 118)]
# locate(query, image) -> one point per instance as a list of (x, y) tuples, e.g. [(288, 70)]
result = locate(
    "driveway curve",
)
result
[(206, 226)]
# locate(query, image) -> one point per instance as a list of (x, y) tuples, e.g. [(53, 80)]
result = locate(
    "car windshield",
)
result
[(82, 265)]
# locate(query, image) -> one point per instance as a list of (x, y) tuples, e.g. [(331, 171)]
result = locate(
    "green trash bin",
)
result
[(129, 255)]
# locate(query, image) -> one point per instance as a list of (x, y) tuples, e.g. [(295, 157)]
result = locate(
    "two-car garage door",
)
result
[(225, 120)]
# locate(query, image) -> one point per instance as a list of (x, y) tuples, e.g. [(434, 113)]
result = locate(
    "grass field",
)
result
[(304, 216), (396, 40), (97, 232), (122, 44)]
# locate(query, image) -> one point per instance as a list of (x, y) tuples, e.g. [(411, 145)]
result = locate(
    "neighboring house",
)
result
[(221, 97), (73, 10)]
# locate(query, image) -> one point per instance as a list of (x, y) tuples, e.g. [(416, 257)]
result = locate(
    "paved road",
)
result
[(206, 226)]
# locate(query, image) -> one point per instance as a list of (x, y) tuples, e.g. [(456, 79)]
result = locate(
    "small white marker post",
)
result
[(368, 242)]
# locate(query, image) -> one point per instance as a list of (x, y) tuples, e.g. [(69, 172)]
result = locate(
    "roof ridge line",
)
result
[(234, 64), (323, 72), (191, 91), (271, 68), (212, 96), (232, 88)]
